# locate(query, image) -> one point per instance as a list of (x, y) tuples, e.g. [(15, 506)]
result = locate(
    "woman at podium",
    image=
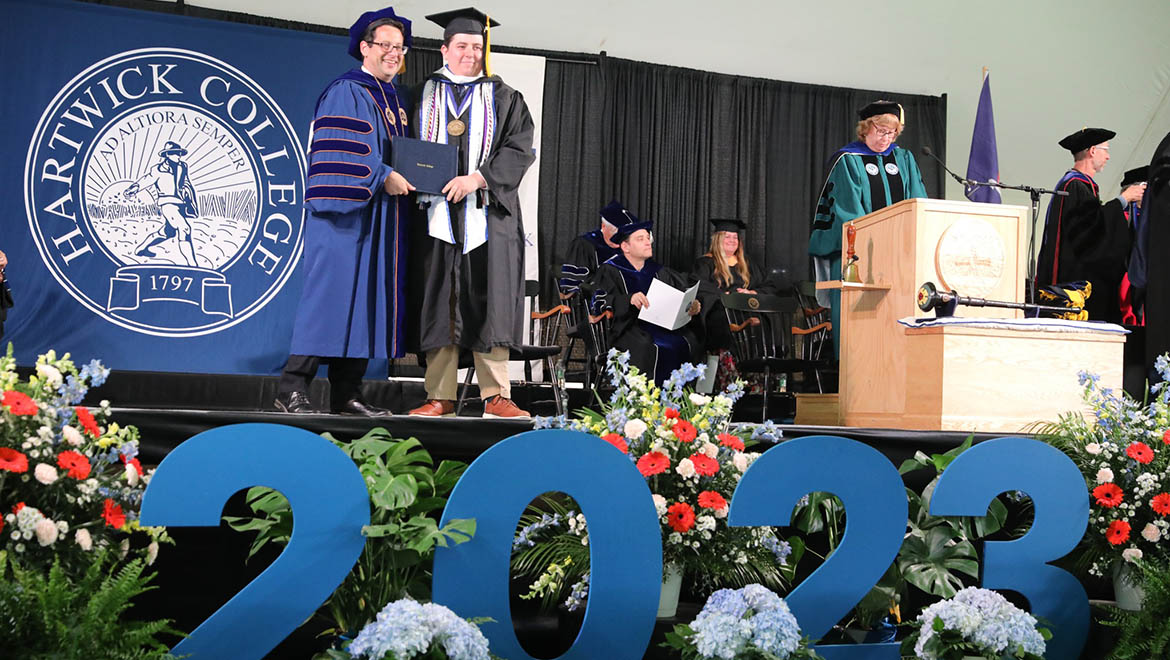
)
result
[(865, 175)]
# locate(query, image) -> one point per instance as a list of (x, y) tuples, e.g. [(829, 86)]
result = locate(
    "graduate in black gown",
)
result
[(620, 284), (1085, 239), (1156, 218), (1134, 282), (470, 242)]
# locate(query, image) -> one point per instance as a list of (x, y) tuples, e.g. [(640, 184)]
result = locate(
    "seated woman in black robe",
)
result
[(726, 265)]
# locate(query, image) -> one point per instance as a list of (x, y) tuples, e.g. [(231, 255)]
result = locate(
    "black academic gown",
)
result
[(704, 271), (584, 254), (656, 351), (1086, 240), (1156, 216), (476, 300)]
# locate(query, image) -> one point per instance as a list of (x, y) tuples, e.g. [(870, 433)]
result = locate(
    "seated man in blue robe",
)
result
[(620, 284), (352, 305), (593, 248)]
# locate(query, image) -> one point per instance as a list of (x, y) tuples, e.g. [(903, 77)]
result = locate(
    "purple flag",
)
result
[(983, 164)]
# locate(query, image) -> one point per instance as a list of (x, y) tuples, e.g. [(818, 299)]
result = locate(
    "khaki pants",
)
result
[(491, 372)]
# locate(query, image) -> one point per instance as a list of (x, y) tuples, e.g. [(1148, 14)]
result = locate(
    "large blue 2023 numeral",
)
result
[(625, 545), (1061, 506), (330, 505), (875, 522)]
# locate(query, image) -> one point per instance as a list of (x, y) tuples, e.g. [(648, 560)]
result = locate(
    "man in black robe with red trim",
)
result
[(1085, 239)]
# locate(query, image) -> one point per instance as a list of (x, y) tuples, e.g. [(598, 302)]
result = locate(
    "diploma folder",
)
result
[(428, 166), (668, 305)]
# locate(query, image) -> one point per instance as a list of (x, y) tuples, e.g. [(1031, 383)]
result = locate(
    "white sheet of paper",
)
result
[(668, 305)]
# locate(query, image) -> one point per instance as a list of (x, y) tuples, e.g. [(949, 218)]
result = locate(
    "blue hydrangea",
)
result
[(984, 618), (734, 619), (406, 629)]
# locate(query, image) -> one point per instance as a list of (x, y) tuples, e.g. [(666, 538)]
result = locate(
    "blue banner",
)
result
[(157, 220), (983, 163)]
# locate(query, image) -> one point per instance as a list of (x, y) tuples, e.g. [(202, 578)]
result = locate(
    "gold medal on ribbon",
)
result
[(391, 118), (456, 127), (402, 116)]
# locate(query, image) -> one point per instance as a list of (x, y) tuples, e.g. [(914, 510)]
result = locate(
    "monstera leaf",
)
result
[(931, 561)]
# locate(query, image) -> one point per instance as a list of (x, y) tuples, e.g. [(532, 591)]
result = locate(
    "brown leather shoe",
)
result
[(498, 406), (434, 408)]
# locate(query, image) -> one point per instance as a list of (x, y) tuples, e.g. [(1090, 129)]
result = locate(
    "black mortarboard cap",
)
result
[(882, 108), (1136, 175), (359, 27), (736, 226), (626, 230), (617, 215), (468, 20), (1085, 138)]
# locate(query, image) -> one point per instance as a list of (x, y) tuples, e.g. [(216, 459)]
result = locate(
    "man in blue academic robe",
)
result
[(353, 301)]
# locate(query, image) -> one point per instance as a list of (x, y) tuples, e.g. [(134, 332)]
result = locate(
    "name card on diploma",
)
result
[(668, 305), (428, 166)]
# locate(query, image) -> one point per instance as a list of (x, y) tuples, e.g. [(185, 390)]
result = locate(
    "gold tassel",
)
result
[(487, 44)]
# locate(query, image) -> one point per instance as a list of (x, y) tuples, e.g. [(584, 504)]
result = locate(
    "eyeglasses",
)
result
[(882, 133), (389, 47)]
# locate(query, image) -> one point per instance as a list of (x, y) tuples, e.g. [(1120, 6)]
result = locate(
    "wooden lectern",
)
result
[(954, 377)]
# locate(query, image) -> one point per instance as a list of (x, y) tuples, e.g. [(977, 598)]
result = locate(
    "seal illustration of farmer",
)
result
[(169, 184)]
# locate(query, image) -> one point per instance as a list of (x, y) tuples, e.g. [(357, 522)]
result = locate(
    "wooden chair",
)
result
[(764, 330)]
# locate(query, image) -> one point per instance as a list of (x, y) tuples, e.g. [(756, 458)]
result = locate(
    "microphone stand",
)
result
[(1034, 195), (971, 184)]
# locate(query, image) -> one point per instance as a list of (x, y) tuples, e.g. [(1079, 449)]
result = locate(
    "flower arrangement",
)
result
[(748, 623), (70, 482), (682, 443), (406, 629), (979, 623), (1124, 455)]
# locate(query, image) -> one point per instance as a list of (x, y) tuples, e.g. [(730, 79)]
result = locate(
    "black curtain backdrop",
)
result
[(680, 146)]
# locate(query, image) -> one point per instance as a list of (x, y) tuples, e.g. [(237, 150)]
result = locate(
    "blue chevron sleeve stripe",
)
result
[(355, 193), (343, 124), (338, 168), (344, 146)]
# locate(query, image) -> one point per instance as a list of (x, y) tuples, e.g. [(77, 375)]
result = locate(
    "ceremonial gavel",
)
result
[(944, 302)]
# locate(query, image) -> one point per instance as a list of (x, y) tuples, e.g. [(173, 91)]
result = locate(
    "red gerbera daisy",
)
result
[(134, 462), (728, 440), (653, 463), (671, 413), (1161, 504), (709, 499), (685, 431), (680, 517), (1140, 452), (18, 403), (12, 460), (704, 464), (87, 421), (17, 507), (112, 514), (1118, 532), (1108, 495), (615, 440), (1166, 437), (77, 464)]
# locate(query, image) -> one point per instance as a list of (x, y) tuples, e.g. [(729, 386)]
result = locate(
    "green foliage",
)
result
[(407, 495), (1143, 633), (50, 614)]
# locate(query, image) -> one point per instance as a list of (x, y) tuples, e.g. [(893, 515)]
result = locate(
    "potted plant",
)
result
[(681, 442)]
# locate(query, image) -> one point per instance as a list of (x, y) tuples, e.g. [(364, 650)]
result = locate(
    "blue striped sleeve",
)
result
[(346, 166)]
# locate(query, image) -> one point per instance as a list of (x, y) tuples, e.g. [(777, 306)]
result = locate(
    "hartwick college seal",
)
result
[(164, 191)]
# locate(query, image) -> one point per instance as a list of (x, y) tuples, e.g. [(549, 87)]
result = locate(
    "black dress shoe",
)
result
[(293, 402), (360, 408)]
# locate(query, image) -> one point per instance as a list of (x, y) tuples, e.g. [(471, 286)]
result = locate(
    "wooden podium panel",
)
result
[(953, 378)]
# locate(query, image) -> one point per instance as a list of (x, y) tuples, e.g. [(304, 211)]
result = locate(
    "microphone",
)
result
[(967, 184)]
